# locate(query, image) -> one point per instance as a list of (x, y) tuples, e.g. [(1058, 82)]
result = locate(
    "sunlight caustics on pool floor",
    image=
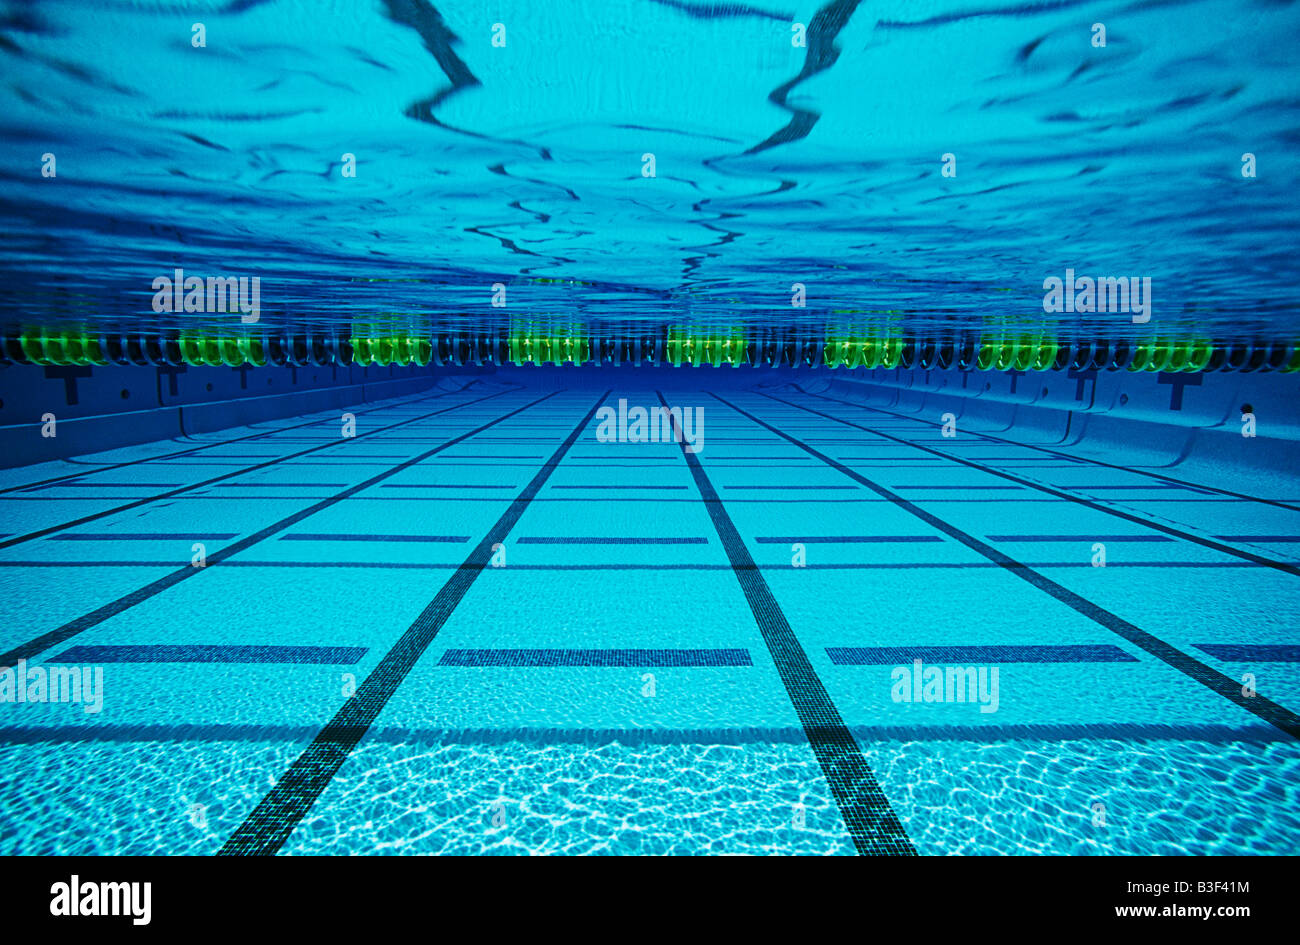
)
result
[(476, 627)]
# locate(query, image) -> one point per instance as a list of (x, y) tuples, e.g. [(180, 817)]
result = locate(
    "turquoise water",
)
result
[(481, 626), (774, 163)]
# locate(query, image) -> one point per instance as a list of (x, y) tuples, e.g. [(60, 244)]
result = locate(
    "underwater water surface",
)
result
[(360, 575)]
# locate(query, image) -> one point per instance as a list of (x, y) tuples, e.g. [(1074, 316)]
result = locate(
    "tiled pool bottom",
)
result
[(515, 797), (620, 683)]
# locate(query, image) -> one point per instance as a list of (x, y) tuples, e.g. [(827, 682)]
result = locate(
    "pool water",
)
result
[(687, 734), (774, 162), (389, 562)]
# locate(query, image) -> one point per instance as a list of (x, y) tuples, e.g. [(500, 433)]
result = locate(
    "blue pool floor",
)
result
[(641, 667)]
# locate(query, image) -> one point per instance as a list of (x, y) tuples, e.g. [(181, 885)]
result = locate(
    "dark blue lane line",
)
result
[(1016, 500), (606, 540), (978, 654), (218, 460), (1017, 459), (970, 488), (144, 536), (416, 398), (1271, 712), (282, 485), (617, 486), (72, 480), (1193, 486), (517, 439), (633, 566), (1266, 538), (872, 824), (1146, 522), (794, 488), (587, 499), (278, 814), (62, 634), (714, 463), (1138, 486), (106, 485), (212, 653), (641, 659), (733, 500), (175, 491), (445, 485), (1084, 538), (416, 439), (401, 499), (315, 463), (845, 539), (312, 536), (1252, 652)]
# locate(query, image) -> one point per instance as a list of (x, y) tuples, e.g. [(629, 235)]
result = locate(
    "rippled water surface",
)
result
[(523, 163)]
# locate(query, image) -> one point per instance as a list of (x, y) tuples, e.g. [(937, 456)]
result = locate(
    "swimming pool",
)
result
[(649, 428), (643, 668)]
